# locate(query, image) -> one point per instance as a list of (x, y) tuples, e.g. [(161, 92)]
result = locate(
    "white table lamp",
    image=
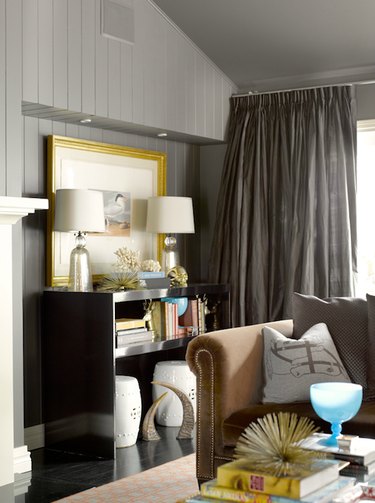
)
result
[(170, 215), (79, 211)]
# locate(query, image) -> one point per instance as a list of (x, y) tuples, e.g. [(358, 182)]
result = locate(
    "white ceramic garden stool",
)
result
[(128, 410), (178, 374)]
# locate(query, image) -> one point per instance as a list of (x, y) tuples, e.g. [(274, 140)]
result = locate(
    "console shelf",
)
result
[(81, 361)]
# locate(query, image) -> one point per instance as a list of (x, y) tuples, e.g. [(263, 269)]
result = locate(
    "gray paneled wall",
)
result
[(11, 174), (182, 179), (52, 53), (162, 80)]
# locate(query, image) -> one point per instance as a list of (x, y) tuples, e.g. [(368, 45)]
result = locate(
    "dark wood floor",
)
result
[(56, 475)]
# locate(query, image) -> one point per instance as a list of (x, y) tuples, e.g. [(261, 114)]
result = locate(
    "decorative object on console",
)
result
[(335, 402), (272, 443), (150, 265), (79, 211), (127, 260), (128, 410), (170, 215), (291, 366), (186, 430), (214, 315), (178, 276), (149, 432), (119, 281), (173, 410), (182, 303)]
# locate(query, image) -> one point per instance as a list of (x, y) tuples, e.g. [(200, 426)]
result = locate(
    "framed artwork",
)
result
[(127, 177)]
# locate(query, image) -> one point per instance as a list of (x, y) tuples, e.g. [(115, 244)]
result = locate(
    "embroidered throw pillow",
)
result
[(291, 366)]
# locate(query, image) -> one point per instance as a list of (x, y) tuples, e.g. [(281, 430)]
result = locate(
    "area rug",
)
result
[(168, 483)]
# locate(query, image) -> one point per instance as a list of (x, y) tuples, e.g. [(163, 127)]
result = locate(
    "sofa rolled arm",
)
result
[(228, 367)]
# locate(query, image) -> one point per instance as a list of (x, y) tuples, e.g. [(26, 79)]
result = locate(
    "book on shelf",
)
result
[(150, 274), (166, 321), (212, 490), (153, 279), (361, 450), (171, 320), (158, 319), (190, 316), (157, 283), (144, 336), (240, 474), (201, 316), (128, 323), (129, 331)]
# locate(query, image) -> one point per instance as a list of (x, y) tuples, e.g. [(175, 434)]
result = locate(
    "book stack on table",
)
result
[(238, 481), (358, 451), (131, 331)]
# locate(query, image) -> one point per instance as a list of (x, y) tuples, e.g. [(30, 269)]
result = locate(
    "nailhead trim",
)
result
[(211, 412)]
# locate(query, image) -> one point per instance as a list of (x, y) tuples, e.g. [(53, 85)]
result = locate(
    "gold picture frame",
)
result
[(133, 173)]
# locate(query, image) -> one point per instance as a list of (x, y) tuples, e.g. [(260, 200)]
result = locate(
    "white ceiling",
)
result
[(276, 44)]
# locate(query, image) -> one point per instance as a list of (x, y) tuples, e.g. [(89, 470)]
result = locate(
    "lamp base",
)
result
[(80, 279), (171, 256)]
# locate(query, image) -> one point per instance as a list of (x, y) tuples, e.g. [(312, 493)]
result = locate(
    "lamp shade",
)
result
[(79, 210), (170, 215)]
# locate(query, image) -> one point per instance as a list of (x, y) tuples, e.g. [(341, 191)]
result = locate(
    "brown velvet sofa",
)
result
[(229, 370)]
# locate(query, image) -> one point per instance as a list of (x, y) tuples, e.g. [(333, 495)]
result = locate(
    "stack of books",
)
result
[(358, 451), (131, 331), (194, 318), (165, 320), (168, 325), (238, 481), (150, 279)]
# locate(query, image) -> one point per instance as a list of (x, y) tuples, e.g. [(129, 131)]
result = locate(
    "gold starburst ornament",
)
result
[(119, 281), (272, 443)]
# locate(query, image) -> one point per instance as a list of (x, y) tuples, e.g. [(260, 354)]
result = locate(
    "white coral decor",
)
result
[(150, 265), (127, 260)]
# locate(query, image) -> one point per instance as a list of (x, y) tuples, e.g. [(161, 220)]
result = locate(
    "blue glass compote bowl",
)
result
[(335, 402), (182, 303)]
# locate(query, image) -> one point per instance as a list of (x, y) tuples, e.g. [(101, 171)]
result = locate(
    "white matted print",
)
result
[(127, 177)]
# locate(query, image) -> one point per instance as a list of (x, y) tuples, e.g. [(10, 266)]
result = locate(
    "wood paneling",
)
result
[(30, 50), (74, 55), (60, 53), (162, 80), (88, 57), (45, 51), (101, 67), (54, 55)]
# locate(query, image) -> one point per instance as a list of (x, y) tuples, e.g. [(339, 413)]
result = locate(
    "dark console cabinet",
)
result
[(80, 361)]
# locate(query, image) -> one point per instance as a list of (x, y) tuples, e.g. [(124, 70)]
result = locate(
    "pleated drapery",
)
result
[(286, 212)]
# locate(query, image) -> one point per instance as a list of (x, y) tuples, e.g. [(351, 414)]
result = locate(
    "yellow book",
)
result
[(211, 489), (241, 475), (126, 323), (158, 320)]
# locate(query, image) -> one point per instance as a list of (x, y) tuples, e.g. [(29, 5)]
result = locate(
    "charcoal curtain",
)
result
[(286, 212)]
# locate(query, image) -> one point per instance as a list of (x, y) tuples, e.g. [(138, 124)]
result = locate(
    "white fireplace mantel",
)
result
[(12, 209)]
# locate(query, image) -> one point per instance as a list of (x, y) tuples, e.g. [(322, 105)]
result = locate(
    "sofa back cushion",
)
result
[(291, 366), (371, 349), (346, 319)]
